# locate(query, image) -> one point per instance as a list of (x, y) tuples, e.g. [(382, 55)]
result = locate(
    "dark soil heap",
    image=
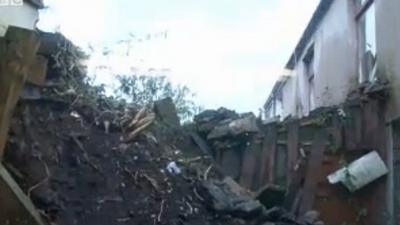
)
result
[(78, 174)]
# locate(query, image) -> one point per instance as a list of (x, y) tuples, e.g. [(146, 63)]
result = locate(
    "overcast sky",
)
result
[(229, 52)]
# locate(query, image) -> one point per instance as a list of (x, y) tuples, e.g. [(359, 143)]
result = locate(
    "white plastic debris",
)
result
[(173, 168), (75, 114), (341, 113), (360, 172)]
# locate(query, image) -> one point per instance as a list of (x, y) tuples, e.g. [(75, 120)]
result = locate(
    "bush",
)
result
[(143, 90)]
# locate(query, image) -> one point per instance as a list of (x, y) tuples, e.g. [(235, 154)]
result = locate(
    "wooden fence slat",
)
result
[(268, 156), (313, 171), (293, 148)]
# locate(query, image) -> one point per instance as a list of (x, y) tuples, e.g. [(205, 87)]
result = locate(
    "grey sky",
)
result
[(229, 52)]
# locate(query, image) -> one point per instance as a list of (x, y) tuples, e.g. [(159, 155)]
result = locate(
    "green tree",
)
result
[(145, 89)]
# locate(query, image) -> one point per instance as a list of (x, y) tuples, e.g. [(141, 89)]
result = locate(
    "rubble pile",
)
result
[(229, 198), (85, 159), (227, 134), (225, 129)]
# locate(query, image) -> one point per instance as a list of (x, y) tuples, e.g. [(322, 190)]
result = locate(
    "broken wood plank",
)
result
[(16, 207), (204, 147), (37, 71), (17, 53)]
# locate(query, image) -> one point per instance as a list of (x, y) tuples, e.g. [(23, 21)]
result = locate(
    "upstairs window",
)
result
[(367, 40), (308, 61)]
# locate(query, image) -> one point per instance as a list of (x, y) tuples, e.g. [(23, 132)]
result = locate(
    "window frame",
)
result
[(308, 61), (361, 10)]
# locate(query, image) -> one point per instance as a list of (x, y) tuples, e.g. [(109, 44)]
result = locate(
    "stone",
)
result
[(227, 197), (166, 110), (209, 119), (310, 217), (247, 124)]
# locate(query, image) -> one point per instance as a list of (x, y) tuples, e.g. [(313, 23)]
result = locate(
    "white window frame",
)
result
[(364, 72)]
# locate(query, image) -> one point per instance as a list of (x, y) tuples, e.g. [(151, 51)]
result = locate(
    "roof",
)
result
[(277, 87), (36, 3), (312, 26)]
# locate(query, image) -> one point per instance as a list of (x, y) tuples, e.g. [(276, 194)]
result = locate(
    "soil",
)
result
[(77, 174)]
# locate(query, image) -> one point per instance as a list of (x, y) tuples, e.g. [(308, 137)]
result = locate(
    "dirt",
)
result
[(76, 174)]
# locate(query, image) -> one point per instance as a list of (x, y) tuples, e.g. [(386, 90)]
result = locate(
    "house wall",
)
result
[(388, 50), (24, 16), (335, 60)]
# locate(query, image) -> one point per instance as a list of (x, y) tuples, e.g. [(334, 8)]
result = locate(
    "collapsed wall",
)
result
[(287, 163)]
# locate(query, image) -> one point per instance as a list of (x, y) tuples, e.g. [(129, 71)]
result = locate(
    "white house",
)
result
[(345, 44), (25, 15)]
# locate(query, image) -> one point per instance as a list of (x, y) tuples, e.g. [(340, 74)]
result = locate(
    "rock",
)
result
[(209, 119), (227, 197), (166, 110), (274, 214), (247, 124), (310, 217)]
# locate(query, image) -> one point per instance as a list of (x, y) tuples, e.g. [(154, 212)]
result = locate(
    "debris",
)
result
[(42, 182), (341, 113), (126, 185), (209, 119), (247, 124), (85, 154), (201, 143), (310, 217), (75, 114), (173, 168), (139, 126), (360, 172), (152, 181), (207, 172), (161, 211), (139, 115), (166, 111), (227, 197)]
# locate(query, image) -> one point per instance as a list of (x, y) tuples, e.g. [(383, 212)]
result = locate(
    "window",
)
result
[(367, 40), (310, 75)]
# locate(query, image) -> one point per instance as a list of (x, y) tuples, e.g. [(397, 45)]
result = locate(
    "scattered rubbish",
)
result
[(75, 114), (360, 172), (173, 168), (341, 113)]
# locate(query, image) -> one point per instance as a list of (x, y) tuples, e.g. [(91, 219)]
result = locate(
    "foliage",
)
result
[(145, 89)]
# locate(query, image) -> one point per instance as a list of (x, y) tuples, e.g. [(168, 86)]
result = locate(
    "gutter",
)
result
[(36, 3)]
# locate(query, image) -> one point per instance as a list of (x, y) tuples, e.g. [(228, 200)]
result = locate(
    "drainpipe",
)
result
[(390, 182)]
